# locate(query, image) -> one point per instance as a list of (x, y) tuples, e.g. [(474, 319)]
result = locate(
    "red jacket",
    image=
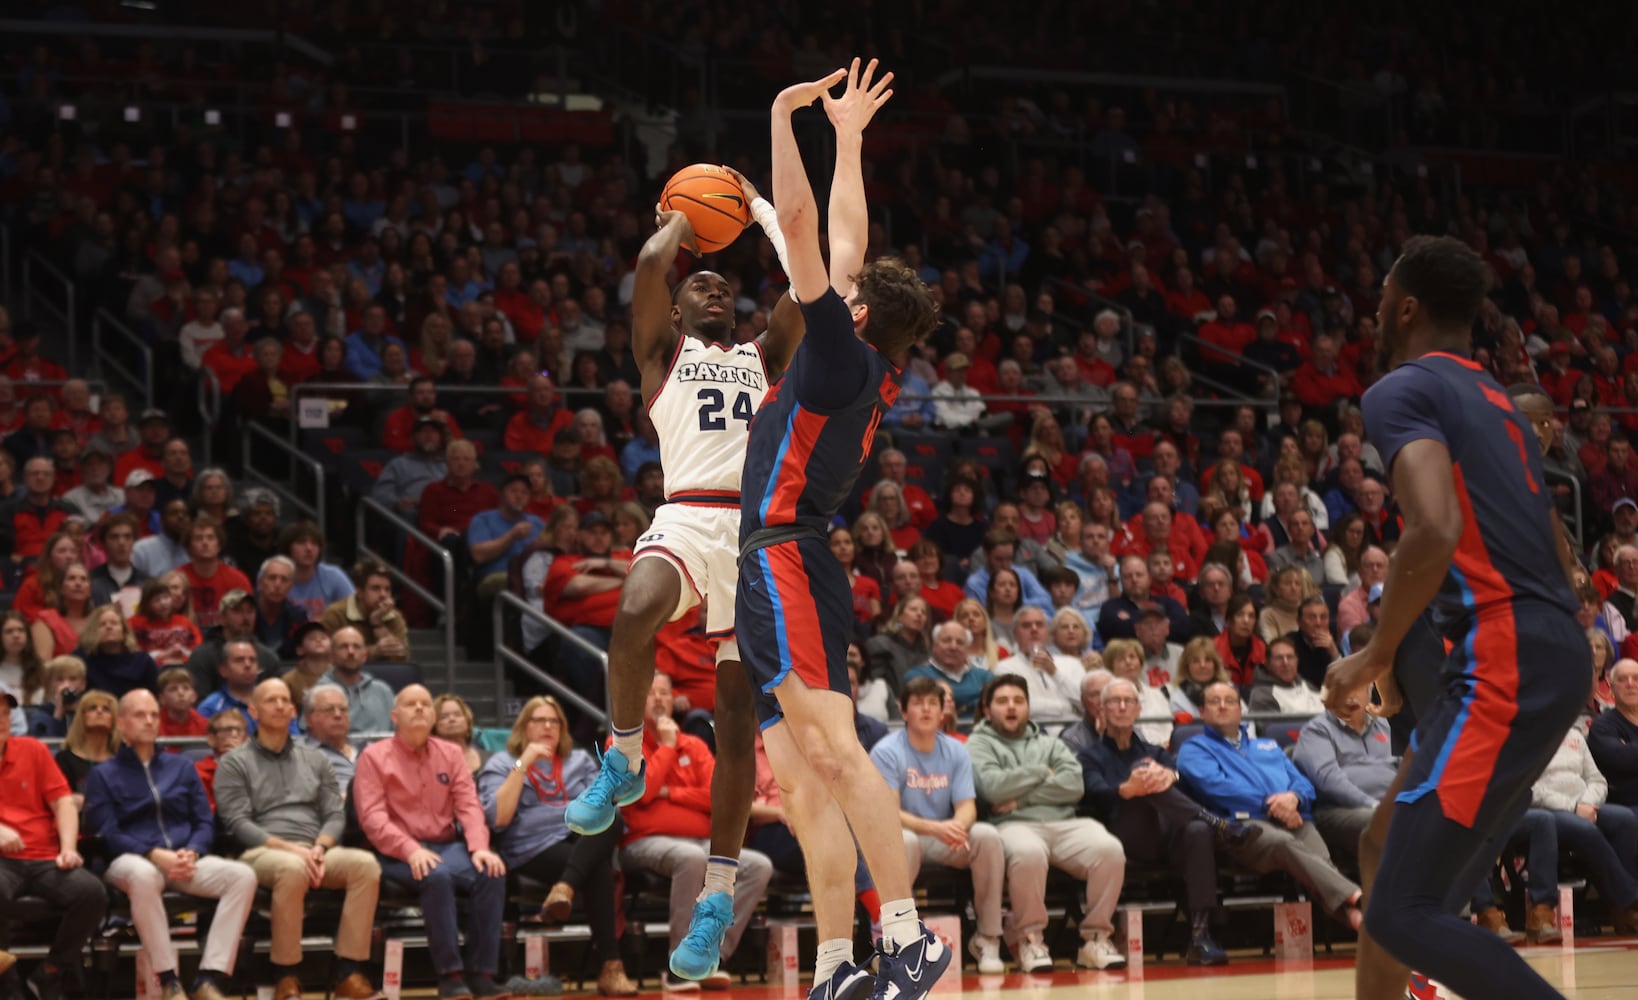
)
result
[(1315, 388), (688, 656), (596, 610), (24, 527), (228, 366), (523, 435), (684, 771)]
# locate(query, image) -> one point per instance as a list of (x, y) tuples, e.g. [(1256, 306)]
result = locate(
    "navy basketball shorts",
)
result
[(793, 614), (1524, 676)]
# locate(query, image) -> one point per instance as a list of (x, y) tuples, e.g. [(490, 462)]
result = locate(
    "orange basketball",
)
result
[(712, 200)]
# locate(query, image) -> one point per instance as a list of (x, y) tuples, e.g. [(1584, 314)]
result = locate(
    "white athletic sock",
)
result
[(719, 876), (630, 744), (832, 954), (900, 923)]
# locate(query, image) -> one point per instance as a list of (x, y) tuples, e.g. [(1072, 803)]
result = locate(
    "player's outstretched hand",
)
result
[(663, 219), (853, 110), (800, 95)]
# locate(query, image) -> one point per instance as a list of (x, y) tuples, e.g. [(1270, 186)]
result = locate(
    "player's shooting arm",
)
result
[(653, 337)]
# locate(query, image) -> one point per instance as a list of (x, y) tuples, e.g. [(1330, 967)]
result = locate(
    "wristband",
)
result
[(763, 212)]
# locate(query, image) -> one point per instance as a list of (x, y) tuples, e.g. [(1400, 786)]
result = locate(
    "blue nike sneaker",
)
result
[(700, 950), (910, 972), (848, 982), (616, 785)]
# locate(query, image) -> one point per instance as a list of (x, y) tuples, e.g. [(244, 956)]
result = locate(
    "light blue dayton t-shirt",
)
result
[(929, 784)]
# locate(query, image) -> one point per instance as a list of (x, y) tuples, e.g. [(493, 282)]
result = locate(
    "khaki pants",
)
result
[(1300, 853), (345, 868), (1081, 847), (982, 856)]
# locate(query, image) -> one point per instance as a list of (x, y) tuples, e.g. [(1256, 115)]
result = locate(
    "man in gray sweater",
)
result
[(279, 798), (1349, 757)]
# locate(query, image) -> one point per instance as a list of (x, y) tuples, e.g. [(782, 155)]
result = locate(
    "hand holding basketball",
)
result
[(860, 99), (665, 217), (712, 199), (800, 95)]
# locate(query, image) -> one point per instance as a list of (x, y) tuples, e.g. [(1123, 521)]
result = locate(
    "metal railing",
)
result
[(445, 605), (316, 509), (504, 656), (210, 407), (1203, 346), (65, 313), (142, 382)]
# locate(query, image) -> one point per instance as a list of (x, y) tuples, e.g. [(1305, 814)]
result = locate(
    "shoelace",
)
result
[(707, 930), (601, 792)]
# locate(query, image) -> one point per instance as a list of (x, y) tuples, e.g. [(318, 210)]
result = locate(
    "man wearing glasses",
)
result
[(328, 724), (1231, 772), (279, 798), (1131, 788)]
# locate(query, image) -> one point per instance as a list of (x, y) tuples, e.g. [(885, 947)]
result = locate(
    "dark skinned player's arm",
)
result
[(1566, 552), (786, 325), (1426, 488), (653, 335)]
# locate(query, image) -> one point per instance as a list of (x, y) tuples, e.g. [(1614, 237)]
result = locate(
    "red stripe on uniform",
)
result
[(791, 477), (1495, 669), (803, 636)]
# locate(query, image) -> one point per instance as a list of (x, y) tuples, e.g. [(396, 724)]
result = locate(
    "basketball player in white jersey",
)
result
[(701, 390)]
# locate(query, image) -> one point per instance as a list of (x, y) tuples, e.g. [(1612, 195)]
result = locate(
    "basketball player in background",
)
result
[(701, 390), (1411, 688), (808, 445), (1481, 545)]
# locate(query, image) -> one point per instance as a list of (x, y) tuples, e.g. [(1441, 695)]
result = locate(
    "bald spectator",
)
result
[(1353, 609), (369, 698), (372, 612), (278, 798), (152, 814), (431, 833)]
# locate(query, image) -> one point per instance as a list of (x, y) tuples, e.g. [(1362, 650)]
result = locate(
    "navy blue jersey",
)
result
[(1508, 547), (813, 431)]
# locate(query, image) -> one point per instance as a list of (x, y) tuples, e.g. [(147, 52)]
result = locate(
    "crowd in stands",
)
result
[(1084, 550)]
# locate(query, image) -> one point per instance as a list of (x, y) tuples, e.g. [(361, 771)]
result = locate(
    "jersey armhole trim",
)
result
[(670, 366)]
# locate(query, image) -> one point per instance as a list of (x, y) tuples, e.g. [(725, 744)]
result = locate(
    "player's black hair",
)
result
[(1447, 278), (901, 307)]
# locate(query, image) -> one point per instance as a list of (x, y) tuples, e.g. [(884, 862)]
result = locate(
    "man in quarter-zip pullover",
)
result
[(151, 811), (279, 798)]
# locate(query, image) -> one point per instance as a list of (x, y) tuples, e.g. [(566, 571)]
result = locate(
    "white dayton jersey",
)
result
[(702, 414)]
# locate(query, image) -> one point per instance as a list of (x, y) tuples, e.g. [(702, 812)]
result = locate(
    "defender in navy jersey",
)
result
[(1480, 545), (794, 609)]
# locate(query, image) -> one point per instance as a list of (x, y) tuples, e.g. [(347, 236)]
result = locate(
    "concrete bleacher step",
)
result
[(474, 679)]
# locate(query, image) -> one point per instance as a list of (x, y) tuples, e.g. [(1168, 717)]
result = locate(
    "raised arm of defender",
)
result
[(849, 218)]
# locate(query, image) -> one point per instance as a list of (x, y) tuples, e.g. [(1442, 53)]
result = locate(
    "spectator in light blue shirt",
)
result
[(913, 411), (462, 288), (999, 548), (495, 536), (247, 267)]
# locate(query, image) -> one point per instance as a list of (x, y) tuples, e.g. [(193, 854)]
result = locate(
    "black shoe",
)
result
[(1204, 951), (1230, 833)]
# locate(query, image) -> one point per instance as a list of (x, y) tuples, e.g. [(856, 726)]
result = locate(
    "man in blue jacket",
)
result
[(1234, 774), (151, 812)]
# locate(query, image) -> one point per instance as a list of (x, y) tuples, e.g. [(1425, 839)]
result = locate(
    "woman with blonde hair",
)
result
[(1199, 665), (887, 500), (452, 721), (524, 791), (631, 522), (113, 663), (1228, 482), (984, 651), (1068, 633), (902, 642), (432, 354), (92, 739)]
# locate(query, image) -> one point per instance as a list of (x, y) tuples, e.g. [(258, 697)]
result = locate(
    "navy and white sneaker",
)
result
[(910, 972), (848, 982)]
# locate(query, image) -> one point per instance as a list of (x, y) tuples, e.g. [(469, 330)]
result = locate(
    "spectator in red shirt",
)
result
[(41, 856), (1154, 529), (300, 361), (209, 578), (399, 433), (1089, 355), (1226, 332), (450, 504), (535, 428), (1131, 433), (667, 830), (1185, 300), (231, 358), (34, 514), (1619, 476), (26, 365), (76, 413), (1320, 383), (153, 430), (177, 715)]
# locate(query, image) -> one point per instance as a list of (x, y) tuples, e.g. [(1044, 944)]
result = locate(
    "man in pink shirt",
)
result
[(410, 792)]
